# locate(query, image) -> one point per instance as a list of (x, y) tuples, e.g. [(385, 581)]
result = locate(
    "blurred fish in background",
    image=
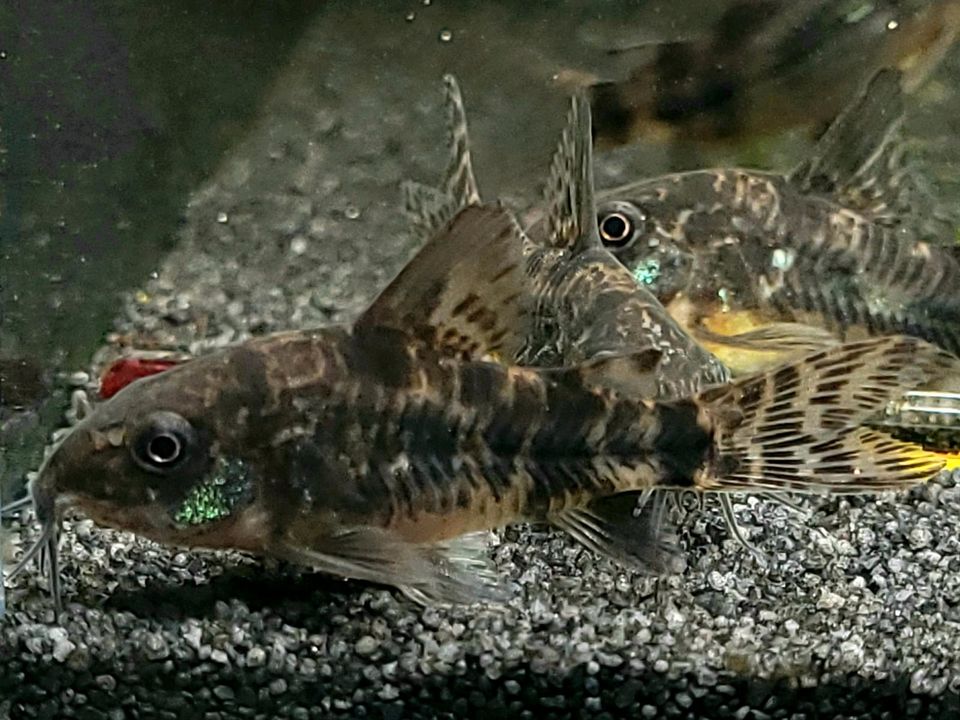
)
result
[(764, 67)]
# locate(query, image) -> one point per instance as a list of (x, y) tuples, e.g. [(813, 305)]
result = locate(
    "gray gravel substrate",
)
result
[(856, 615)]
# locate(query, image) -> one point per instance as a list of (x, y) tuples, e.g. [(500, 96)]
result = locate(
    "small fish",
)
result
[(586, 304), (378, 450), (383, 450), (602, 304), (768, 66), (760, 267)]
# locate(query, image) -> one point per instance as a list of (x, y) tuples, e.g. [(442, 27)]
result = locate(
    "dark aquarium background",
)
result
[(178, 175)]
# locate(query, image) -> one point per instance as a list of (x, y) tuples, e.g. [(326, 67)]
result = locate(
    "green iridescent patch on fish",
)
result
[(647, 272), (216, 498)]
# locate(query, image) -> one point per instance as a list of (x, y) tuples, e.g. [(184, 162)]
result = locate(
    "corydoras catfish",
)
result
[(586, 303), (767, 66), (378, 450), (371, 451), (759, 266), (564, 249)]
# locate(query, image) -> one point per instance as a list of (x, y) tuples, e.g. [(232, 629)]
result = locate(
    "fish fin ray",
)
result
[(861, 160), (571, 213), (465, 289), (762, 347), (631, 528), (453, 572), (460, 182), (800, 427), (430, 208), (427, 208)]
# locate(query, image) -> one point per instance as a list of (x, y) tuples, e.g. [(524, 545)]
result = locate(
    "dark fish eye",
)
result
[(619, 223), (163, 442), (164, 449)]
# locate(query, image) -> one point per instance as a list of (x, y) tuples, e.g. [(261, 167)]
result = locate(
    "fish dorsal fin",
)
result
[(430, 208), (464, 290), (860, 161), (459, 180), (571, 208)]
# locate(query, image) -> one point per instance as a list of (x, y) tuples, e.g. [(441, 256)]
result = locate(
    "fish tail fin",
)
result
[(806, 426)]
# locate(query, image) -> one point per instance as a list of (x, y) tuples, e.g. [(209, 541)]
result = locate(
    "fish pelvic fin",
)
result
[(429, 208), (464, 290), (633, 529), (458, 571), (861, 161), (803, 426), (569, 195)]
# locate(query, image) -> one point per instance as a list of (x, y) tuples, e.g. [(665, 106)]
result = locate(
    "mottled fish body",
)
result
[(759, 266), (378, 450)]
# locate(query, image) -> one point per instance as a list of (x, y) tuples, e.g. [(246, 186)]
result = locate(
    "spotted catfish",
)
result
[(587, 305), (769, 65), (759, 267), (377, 450)]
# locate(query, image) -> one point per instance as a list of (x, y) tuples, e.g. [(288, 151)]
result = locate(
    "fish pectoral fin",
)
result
[(631, 528), (453, 572), (802, 426), (775, 337), (431, 208), (465, 290), (860, 161), (764, 347)]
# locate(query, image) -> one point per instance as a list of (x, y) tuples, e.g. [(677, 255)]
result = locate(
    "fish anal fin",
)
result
[(464, 290), (631, 528), (455, 572), (800, 427)]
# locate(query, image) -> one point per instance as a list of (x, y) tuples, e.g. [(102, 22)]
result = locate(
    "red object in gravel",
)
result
[(125, 370)]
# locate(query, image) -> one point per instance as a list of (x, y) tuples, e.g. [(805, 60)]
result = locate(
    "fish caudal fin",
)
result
[(805, 426)]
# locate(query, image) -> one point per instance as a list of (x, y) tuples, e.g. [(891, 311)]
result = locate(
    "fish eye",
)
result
[(163, 442), (163, 449), (619, 223)]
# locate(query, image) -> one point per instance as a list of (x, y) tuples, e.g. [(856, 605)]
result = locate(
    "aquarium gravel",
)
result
[(855, 613)]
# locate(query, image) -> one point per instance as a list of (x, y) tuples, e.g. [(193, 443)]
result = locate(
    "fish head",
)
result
[(640, 229), (169, 457)]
